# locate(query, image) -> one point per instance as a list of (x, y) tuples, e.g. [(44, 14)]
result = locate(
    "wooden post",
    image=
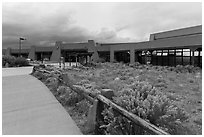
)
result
[(86, 59), (76, 60), (108, 93), (99, 116), (91, 122), (70, 63), (174, 57), (199, 58), (168, 57), (162, 58), (156, 58), (182, 56)]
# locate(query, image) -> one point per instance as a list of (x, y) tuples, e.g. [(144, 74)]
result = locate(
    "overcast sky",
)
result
[(45, 23)]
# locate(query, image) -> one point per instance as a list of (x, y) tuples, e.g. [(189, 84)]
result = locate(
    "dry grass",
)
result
[(184, 89)]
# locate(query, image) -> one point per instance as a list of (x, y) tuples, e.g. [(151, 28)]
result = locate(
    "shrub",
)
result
[(21, 61), (147, 102), (82, 107), (185, 69), (101, 60), (52, 84), (39, 75), (71, 98), (8, 59)]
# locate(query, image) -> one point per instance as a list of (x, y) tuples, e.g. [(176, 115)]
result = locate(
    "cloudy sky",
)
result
[(45, 23)]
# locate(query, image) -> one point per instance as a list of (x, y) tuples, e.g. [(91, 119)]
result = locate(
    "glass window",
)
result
[(179, 50), (195, 53), (154, 52), (186, 49), (165, 50), (171, 50), (186, 53), (178, 53)]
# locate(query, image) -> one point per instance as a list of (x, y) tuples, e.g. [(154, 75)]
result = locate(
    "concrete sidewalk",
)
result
[(28, 107)]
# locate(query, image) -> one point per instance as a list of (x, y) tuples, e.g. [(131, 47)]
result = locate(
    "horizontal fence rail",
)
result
[(93, 98)]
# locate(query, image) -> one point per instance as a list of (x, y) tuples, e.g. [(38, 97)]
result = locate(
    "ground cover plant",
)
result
[(168, 97), (11, 61)]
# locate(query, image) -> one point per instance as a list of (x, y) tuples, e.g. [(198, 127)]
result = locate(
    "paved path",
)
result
[(28, 107)]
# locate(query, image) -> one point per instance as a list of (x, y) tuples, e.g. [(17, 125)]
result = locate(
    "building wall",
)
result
[(72, 46), (56, 53), (175, 39), (177, 33)]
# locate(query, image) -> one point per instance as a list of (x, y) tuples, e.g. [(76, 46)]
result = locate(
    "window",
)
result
[(179, 50), (186, 50), (195, 53), (154, 52), (178, 53), (186, 53), (171, 51), (158, 54)]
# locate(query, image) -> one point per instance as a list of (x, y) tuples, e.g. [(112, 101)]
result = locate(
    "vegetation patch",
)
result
[(164, 96), (11, 61)]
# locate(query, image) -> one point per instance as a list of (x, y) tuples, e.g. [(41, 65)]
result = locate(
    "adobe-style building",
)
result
[(169, 48)]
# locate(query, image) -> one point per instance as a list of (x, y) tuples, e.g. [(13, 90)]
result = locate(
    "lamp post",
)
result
[(20, 45)]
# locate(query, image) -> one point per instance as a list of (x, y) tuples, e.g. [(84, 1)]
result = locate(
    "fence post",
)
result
[(99, 116), (91, 122), (108, 93)]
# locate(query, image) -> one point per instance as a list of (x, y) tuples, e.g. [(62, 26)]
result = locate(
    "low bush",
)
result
[(186, 69), (72, 98), (145, 101), (21, 61), (82, 107), (10, 60), (101, 60), (53, 84)]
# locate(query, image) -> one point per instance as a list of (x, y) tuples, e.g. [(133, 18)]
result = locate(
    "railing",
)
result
[(99, 100)]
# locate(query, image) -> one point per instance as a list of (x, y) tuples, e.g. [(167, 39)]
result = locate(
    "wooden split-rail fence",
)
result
[(99, 101)]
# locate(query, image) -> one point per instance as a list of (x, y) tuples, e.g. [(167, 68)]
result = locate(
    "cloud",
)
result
[(44, 23)]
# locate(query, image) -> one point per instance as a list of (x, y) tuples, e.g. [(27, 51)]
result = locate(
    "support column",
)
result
[(132, 56), (56, 53), (31, 54), (136, 57), (145, 59), (70, 62), (76, 61), (86, 59), (112, 56), (8, 52), (151, 56), (192, 57)]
